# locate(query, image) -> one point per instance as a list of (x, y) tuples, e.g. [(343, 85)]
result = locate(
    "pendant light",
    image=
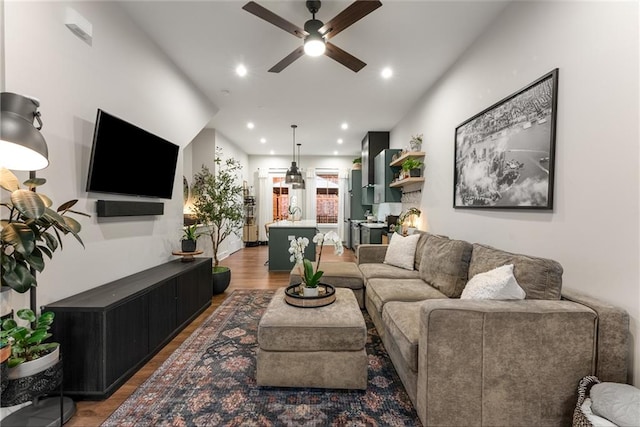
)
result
[(302, 185), (293, 174), (22, 146)]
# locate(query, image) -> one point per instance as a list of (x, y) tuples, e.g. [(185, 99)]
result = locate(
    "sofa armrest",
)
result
[(613, 337), (370, 253), (504, 362)]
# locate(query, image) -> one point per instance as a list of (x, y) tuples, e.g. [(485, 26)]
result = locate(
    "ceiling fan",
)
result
[(316, 33)]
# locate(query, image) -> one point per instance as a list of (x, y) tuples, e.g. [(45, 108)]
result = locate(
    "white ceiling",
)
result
[(419, 40)]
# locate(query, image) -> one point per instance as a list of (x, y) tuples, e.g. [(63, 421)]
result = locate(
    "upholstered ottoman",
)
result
[(321, 347), (339, 275)]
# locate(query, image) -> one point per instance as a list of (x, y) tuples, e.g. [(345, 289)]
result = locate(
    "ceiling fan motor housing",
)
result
[(312, 26), (313, 6)]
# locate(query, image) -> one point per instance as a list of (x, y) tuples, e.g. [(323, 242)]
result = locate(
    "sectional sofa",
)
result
[(490, 362)]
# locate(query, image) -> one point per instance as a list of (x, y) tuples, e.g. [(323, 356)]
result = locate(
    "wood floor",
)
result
[(247, 272)]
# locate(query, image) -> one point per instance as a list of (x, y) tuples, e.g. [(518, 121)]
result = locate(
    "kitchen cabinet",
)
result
[(384, 175), (369, 235), (372, 144), (357, 206)]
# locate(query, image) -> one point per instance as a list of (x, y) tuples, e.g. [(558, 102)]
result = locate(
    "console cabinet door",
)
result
[(193, 290), (162, 313), (127, 336)]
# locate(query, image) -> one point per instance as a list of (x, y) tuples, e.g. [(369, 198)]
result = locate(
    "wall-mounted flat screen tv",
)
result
[(128, 160)]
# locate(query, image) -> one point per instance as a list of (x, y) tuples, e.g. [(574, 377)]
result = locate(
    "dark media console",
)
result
[(107, 333), (108, 208)]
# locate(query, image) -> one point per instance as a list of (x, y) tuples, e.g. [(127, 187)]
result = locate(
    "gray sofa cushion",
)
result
[(402, 321), (445, 264), (422, 241), (540, 278), (382, 290), (380, 270)]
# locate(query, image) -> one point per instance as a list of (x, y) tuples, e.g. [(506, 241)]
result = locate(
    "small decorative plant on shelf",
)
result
[(310, 276), (416, 142), (189, 237), (31, 230), (26, 343), (411, 167), (357, 163)]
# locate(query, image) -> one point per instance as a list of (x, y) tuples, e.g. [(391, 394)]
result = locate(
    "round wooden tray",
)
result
[(293, 296)]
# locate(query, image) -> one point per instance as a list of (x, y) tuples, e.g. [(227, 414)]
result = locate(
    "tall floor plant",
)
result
[(218, 201)]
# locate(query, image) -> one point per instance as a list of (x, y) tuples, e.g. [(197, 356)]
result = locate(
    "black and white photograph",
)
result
[(504, 156)]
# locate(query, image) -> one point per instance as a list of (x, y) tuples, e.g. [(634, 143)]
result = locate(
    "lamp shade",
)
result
[(22, 146), (293, 176)]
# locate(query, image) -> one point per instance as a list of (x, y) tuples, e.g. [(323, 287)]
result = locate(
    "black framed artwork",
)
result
[(504, 155)]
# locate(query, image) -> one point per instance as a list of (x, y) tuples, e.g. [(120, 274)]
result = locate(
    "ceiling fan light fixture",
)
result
[(314, 45)]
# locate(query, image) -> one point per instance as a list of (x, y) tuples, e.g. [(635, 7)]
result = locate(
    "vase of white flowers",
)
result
[(311, 276)]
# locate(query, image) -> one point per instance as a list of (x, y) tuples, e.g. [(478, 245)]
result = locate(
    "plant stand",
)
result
[(44, 411)]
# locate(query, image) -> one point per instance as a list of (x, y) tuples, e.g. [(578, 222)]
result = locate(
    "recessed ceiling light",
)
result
[(241, 70), (263, 140), (335, 153), (344, 126), (250, 125), (271, 152), (340, 141), (386, 73)]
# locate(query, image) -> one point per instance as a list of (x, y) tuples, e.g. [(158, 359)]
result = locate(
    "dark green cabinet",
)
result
[(372, 144), (107, 333), (384, 174), (357, 205)]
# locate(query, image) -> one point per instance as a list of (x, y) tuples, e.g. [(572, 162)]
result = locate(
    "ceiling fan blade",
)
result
[(346, 59), (353, 13), (287, 60), (263, 13)]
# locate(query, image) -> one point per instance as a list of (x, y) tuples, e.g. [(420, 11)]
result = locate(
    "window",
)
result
[(280, 199), (327, 197)]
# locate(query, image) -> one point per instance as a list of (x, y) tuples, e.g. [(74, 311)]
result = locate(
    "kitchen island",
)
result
[(280, 233)]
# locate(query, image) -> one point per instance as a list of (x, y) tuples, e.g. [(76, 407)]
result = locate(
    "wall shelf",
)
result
[(407, 155), (407, 181)]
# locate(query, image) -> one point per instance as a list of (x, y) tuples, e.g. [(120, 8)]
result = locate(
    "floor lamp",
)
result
[(22, 147)]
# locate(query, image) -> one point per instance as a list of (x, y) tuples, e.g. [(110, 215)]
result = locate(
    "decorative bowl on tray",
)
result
[(293, 296)]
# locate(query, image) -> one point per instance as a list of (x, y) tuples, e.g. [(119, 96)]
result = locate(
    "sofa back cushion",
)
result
[(540, 278), (445, 264), (422, 241)]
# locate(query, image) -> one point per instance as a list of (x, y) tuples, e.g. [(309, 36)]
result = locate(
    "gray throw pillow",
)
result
[(619, 403), (445, 264)]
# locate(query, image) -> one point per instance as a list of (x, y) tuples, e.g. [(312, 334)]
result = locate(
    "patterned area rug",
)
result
[(210, 381)]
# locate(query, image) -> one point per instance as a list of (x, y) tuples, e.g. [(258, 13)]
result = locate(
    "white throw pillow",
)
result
[(402, 251), (499, 283), (619, 403)]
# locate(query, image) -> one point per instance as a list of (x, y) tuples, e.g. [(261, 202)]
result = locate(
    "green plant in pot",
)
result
[(218, 205), (357, 163), (411, 167), (31, 230), (189, 238), (26, 343)]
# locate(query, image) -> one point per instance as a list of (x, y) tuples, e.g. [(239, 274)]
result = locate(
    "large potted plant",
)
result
[(31, 230), (218, 205)]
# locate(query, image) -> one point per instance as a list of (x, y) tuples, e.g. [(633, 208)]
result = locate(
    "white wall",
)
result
[(306, 162), (593, 230), (124, 73)]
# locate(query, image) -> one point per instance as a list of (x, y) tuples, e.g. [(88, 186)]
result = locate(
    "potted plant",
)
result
[(357, 163), (189, 237), (27, 343), (416, 142), (310, 276), (31, 230), (218, 205), (411, 167)]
